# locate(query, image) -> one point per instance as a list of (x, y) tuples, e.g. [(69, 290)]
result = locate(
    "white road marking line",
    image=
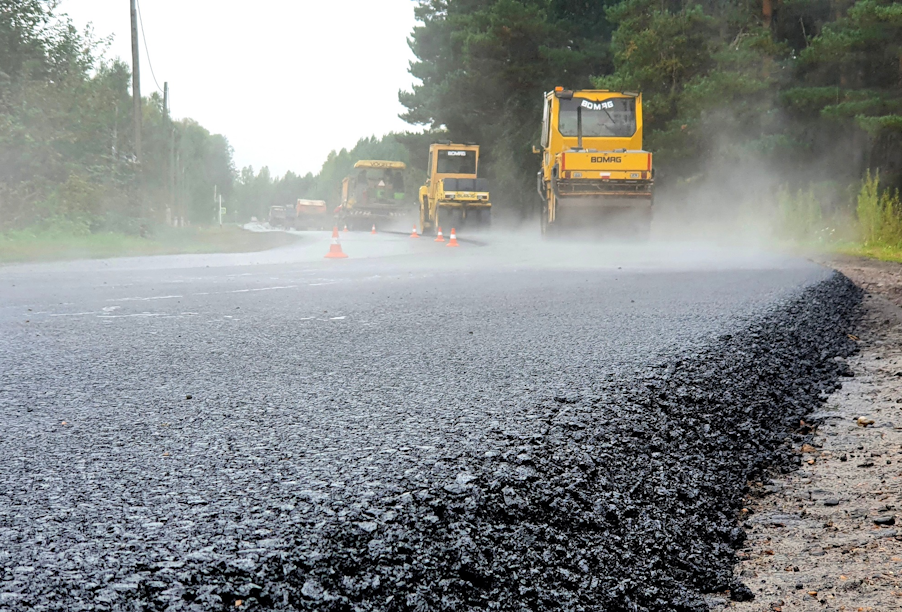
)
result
[(277, 287), (145, 299), (249, 290), (140, 314), (73, 314)]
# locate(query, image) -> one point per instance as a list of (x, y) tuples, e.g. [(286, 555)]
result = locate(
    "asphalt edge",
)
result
[(455, 545)]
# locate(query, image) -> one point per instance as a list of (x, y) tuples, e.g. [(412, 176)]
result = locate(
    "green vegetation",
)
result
[(66, 141), (20, 245), (872, 228), (883, 253), (879, 214)]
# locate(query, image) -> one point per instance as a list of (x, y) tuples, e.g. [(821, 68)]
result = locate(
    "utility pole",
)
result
[(136, 99), (169, 179), (172, 167), (136, 81)]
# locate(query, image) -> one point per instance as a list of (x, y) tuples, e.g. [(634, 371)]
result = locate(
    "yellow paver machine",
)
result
[(374, 195)]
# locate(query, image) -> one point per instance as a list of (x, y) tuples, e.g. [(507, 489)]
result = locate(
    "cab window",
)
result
[(614, 117), (456, 162), (546, 123)]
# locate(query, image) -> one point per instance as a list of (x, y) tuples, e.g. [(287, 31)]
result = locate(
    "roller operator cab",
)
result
[(595, 173), (374, 194), (453, 196)]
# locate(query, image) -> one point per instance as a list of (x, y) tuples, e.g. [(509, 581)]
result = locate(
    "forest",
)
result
[(742, 98)]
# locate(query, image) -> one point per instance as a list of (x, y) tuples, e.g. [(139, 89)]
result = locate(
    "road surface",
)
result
[(507, 425)]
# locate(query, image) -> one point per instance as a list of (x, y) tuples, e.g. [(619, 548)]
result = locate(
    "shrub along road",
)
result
[(501, 427)]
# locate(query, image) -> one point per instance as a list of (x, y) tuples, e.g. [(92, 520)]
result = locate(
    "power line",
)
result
[(146, 48)]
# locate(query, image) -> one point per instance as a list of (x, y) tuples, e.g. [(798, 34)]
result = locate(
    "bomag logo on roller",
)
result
[(607, 159)]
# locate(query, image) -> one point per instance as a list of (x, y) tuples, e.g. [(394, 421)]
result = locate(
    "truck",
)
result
[(595, 173), (453, 195), (374, 195), (277, 216), (312, 215)]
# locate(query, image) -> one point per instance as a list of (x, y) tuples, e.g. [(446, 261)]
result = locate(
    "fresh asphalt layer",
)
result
[(173, 426)]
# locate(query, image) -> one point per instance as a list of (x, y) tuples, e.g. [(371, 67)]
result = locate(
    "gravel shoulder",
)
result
[(829, 536)]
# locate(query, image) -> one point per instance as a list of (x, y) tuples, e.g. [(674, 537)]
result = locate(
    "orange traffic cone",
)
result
[(453, 241), (335, 251), (440, 237), (414, 234), (374, 229), (346, 228)]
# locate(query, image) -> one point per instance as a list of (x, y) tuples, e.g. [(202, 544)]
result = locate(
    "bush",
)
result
[(820, 213), (879, 213)]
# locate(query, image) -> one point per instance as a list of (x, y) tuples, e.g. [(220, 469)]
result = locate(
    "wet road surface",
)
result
[(164, 417)]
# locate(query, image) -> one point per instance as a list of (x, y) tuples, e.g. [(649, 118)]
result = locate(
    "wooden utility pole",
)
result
[(169, 178), (136, 81)]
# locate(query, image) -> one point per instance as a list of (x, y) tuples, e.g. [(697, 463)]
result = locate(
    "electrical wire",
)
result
[(146, 49)]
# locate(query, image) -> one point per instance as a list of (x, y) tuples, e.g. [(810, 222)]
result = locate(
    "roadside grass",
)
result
[(879, 252), (871, 228), (36, 246), (879, 214)]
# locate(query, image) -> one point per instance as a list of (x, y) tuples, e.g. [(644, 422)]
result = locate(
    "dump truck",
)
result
[(453, 196), (595, 173), (374, 195), (312, 215)]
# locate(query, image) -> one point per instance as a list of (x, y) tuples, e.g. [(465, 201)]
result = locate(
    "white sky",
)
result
[(286, 81)]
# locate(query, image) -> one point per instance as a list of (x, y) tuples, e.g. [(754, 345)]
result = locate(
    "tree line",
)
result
[(760, 91), (67, 146), (737, 94), (66, 141)]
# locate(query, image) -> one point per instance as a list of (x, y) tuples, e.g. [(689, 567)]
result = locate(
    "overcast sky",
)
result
[(286, 81)]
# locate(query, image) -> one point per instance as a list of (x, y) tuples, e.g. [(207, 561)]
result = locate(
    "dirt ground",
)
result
[(829, 536)]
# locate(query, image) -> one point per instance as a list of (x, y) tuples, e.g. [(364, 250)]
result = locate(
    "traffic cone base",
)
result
[(346, 229), (440, 237), (335, 251), (374, 229), (414, 234), (453, 241)]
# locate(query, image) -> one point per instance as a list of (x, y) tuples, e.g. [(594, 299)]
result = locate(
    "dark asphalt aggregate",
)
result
[(393, 436)]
